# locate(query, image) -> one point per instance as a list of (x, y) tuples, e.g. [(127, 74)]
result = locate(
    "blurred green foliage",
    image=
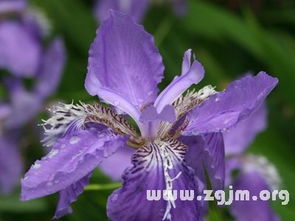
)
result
[(228, 42)]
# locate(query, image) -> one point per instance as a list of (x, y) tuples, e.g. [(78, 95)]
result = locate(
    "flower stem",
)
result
[(109, 186)]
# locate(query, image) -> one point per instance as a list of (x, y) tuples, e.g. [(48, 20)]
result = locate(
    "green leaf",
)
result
[(218, 25), (73, 19)]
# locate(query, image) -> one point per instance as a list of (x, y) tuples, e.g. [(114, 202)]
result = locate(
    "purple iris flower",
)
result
[(255, 172), (134, 8), (124, 69), (22, 56)]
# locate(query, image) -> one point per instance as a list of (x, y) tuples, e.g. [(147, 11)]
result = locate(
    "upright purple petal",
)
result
[(69, 195), (150, 119), (238, 138), (51, 69), (191, 74), (156, 166), (134, 8), (71, 159), (167, 114), (10, 164), (206, 153), (19, 50), (223, 110), (124, 66), (252, 210), (115, 165)]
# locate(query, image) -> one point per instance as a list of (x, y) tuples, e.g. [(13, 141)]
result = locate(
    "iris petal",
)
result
[(51, 69), (70, 159), (22, 55), (115, 165), (256, 210), (223, 110), (7, 6), (69, 195), (124, 63), (238, 138), (156, 166), (191, 74), (10, 163), (206, 153)]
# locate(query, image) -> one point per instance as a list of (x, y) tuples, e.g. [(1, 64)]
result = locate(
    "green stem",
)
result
[(109, 186)]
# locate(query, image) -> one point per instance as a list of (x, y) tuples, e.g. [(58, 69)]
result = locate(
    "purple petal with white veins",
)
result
[(223, 110), (51, 69), (10, 164), (191, 74), (69, 195), (8, 6), (206, 153), (20, 55), (70, 159), (238, 138), (134, 8), (156, 166), (252, 210), (115, 165), (124, 65)]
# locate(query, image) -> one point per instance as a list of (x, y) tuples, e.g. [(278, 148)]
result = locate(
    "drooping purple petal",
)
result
[(19, 50), (206, 153), (124, 66), (134, 8), (238, 138), (252, 210), (69, 195), (71, 159), (157, 166), (51, 69), (191, 74), (8, 6), (223, 110), (115, 165), (10, 163)]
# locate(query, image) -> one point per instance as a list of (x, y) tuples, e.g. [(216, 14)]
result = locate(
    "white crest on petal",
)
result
[(67, 118), (64, 117), (261, 165), (166, 153)]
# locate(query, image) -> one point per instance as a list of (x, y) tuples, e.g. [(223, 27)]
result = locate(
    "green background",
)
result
[(228, 41)]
